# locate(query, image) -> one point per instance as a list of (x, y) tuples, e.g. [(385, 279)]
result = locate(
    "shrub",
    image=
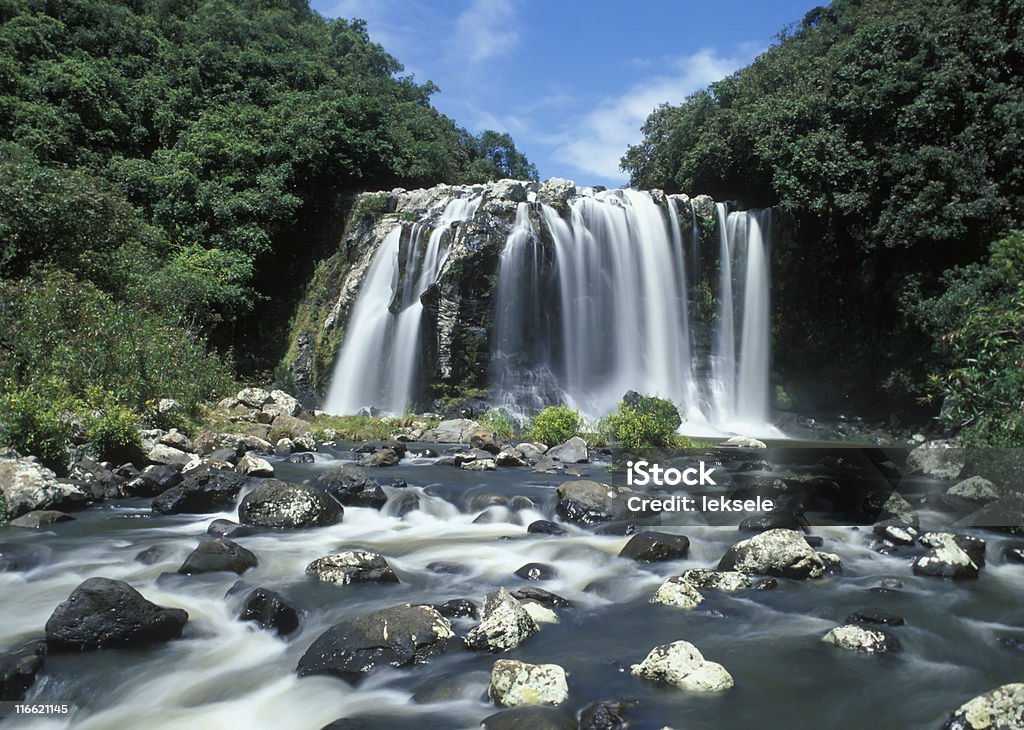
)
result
[(555, 425), (39, 420), (500, 421), (111, 428), (644, 422)]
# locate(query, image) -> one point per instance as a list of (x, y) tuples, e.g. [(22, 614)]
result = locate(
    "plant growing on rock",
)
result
[(644, 422), (555, 425), (500, 421)]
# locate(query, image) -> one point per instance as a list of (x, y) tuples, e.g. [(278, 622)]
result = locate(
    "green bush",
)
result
[(38, 420), (647, 422), (555, 425), (499, 421), (112, 429)]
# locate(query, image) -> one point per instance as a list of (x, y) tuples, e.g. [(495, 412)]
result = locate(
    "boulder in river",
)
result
[(782, 553), (939, 459), (27, 485), (518, 683), (352, 566), (18, 670), (681, 664), (485, 439), (651, 547), (399, 636), (254, 466), (39, 518), (350, 485), (534, 717), (216, 555), (545, 527), (604, 716), (270, 611), (573, 451), (999, 709), (978, 490), (277, 504), (678, 593), (504, 624), (154, 480), (454, 431), (203, 490), (588, 502), (950, 556), (867, 640), (103, 613), (536, 571), (723, 580), (384, 456)]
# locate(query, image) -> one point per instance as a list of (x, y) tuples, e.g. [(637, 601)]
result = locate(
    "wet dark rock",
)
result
[(270, 611), (1013, 555), (771, 521), (384, 456), (219, 554), (459, 608), (227, 455), (398, 637), (104, 613), (444, 568), (39, 518), (541, 596), (203, 490), (153, 554), (1015, 643), (403, 503), (588, 502), (303, 458), (545, 527), (536, 571), (352, 566), (620, 528), (350, 485), (277, 504), (228, 528), (872, 616), (18, 670), (604, 716), (534, 717), (153, 481), (652, 547)]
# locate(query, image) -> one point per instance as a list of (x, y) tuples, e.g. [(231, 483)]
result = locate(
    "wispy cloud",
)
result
[(601, 135), (486, 29)]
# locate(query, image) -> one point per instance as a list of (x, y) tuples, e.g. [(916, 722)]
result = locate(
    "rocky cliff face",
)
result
[(459, 307)]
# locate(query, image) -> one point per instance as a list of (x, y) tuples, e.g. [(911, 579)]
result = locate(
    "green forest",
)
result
[(891, 133), (169, 174)]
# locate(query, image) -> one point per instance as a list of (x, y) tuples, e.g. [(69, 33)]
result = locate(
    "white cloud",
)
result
[(486, 29), (600, 136)]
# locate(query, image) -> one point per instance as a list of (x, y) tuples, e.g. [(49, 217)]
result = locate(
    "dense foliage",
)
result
[(555, 425), (168, 170), (890, 135), (643, 422)]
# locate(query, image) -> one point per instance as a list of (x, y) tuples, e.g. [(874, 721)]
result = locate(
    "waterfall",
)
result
[(379, 365), (618, 285)]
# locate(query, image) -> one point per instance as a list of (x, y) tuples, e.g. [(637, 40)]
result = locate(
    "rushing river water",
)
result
[(224, 673)]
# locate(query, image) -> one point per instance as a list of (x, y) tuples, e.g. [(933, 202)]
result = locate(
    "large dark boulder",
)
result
[(270, 611), (588, 502), (203, 490), (652, 547), (277, 504), (18, 670), (153, 481), (103, 613), (219, 554), (399, 636), (350, 485)]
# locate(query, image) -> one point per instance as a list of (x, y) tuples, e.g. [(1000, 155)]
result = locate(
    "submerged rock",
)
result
[(504, 624), (651, 547), (681, 664), (536, 571), (352, 566), (103, 613), (277, 504), (270, 611), (782, 553), (861, 638), (219, 554), (518, 683), (399, 636), (604, 716), (18, 670), (999, 709), (537, 717)]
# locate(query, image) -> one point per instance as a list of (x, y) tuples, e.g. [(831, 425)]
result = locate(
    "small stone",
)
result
[(862, 639), (536, 571), (253, 466), (678, 593), (352, 566)]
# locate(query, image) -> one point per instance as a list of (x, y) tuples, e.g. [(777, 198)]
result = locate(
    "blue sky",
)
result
[(571, 81)]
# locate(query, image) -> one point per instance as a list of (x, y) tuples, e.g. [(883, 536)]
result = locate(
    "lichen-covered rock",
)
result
[(504, 624), (782, 553), (940, 459), (721, 580), (103, 613), (26, 485), (681, 664), (862, 639), (399, 636), (277, 504), (253, 397), (352, 566), (976, 489), (951, 556), (254, 466), (678, 593), (999, 709), (518, 683)]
